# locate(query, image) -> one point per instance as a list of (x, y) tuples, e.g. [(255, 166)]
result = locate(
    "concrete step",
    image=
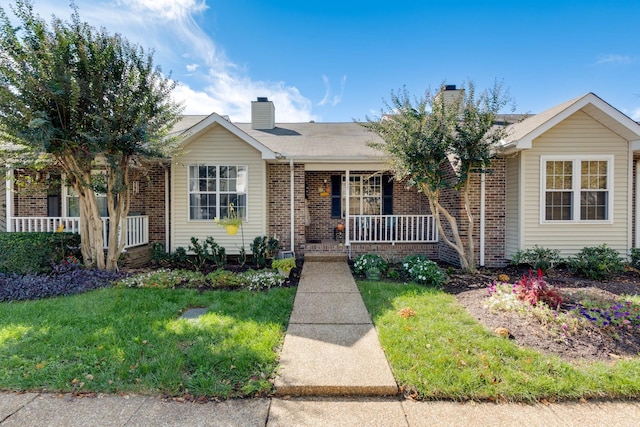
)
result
[(325, 257)]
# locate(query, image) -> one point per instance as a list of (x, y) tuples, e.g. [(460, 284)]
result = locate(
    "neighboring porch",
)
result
[(137, 227)]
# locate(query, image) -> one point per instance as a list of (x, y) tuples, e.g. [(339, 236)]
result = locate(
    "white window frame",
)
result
[(218, 192), (361, 197), (576, 187), (66, 195)]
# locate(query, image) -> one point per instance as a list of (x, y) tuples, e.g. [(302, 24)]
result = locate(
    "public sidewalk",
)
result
[(330, 348)]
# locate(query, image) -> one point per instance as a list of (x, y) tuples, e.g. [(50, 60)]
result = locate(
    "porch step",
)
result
[(325, 257)]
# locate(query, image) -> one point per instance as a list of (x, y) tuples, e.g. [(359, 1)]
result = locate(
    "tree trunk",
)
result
[(118, 200)]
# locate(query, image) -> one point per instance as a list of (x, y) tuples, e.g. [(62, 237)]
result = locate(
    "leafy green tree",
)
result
[(84, 100), (438, 142)]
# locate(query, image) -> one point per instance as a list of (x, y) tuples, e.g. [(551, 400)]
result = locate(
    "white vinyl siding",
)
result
[(218, 147), (578, 135), (512, 222)]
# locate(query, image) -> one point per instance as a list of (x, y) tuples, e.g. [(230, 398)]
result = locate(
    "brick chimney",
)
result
[(263, 114)]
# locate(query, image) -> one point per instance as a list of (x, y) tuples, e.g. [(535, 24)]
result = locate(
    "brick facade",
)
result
[(279, 205), (495, 212)]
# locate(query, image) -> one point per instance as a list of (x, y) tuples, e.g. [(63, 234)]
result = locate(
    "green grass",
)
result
[(131, 340), (443, 353)]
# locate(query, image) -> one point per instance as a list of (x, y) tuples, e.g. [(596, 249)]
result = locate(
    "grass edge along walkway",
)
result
[(116, 340), (442, 352)]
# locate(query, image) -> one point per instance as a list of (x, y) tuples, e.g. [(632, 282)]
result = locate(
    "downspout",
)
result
[(9, 199), (482, 215), (292, 203), (636, 242), (347, 220), (167, 221)]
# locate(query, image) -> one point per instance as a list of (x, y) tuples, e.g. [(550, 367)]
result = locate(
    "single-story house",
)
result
[(565, 179)]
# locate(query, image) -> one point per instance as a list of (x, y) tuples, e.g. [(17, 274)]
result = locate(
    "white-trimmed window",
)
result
[(365, 195), (213, 188), (576, 189), (71, 201)]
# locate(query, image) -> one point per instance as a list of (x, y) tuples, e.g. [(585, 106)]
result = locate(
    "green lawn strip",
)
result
[(443, 353), (132, 340)]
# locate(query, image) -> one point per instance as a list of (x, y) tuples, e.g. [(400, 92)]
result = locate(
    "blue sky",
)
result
[(336, 61)]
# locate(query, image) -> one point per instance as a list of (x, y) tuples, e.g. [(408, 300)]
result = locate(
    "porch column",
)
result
[(292, 215), (347, 225), (9, 199), (636, 242)]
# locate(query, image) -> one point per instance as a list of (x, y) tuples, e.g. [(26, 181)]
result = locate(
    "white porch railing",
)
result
[(392, 229), (137, 227)]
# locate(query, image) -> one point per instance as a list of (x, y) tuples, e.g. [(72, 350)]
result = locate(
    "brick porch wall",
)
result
[(279, 205), (32, 199)]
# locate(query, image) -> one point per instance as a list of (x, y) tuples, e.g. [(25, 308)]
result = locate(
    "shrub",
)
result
[(534, 289), (207, 251), (263, 248), (158, 254), (635, 258), (597, 263), (366, 262), (226, 279), (537, 258), (69, 278), (162, 278), (34, 253), (424, 271)]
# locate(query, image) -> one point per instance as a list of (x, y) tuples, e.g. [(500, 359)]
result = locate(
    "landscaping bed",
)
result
[(589, 342)]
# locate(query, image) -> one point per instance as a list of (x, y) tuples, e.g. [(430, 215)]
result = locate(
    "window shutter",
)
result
[(387, 195), (336, 196)]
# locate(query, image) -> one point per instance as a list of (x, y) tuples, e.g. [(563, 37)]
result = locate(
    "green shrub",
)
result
[(207, 251), (23, 253), (635, 258), (366, 262), (424, 271), (263, 249), (597, 262), (538, 258)]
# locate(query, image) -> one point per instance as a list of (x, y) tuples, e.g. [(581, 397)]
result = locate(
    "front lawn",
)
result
[(133, 340), (438, 351)]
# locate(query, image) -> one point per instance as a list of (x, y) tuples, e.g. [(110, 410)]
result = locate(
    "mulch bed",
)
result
[(591, 343)]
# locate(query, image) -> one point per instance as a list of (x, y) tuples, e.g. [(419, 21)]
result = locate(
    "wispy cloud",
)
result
[(635, 114), (215, 83), (328, 97), (613, 59)]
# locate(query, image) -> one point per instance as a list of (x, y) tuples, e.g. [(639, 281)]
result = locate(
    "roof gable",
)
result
[(521, 135), (215, 119)]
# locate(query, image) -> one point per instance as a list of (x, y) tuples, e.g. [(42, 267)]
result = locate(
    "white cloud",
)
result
[(168, 26), (613, 59), (328, 98), (635, 114)]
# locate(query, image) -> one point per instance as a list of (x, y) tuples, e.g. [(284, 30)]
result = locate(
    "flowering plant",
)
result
[(232, 219), (424, 271), (363, 263)]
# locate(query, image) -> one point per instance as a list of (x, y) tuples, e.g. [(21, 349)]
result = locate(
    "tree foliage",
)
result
[(437, 143), (86, 100)]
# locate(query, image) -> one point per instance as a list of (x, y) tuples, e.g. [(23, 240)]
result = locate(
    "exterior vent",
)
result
[(263, 114)]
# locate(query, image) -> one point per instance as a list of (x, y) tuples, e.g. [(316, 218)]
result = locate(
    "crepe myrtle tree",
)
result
[(426, 137), (84, 100)]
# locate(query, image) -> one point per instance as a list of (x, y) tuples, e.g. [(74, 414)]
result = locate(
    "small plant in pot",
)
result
[(284, 266), (231, 223)]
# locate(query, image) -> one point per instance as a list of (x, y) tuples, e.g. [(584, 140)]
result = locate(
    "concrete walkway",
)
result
[(331, 347)]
